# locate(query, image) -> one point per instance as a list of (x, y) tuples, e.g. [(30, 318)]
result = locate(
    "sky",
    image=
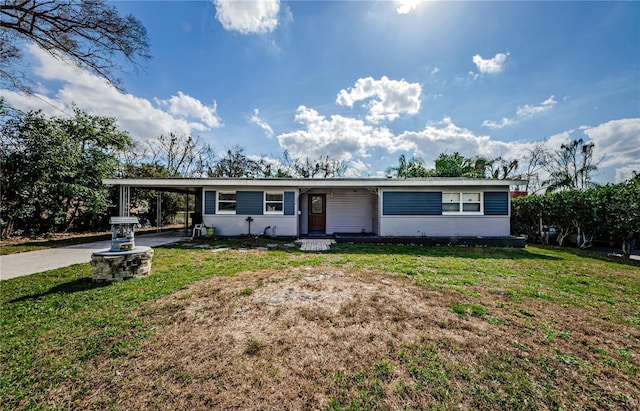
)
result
[(367, 81)]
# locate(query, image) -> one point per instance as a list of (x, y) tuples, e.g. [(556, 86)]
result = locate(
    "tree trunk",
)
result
[(562, 235), (626, 248), (8, 229)]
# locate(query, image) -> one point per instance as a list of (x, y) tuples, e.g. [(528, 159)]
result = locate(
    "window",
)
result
[(227, 203), (273, 203), (461, 203), (450, 202), (470, 202)]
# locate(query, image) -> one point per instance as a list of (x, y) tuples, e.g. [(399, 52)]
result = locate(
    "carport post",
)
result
[(186, 213), (159, 213)]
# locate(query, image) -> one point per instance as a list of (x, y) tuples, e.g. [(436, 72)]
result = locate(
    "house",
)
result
[(383, 207)]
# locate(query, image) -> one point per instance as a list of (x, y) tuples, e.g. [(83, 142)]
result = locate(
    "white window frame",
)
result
[(461, 202), (218, 201), (266, 193)]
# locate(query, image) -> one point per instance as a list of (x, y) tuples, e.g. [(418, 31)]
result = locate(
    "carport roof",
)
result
[(195, 184)]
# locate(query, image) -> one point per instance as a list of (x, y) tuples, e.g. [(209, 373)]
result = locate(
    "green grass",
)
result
[(53, 324)]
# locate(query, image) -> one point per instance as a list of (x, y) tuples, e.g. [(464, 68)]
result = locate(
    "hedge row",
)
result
[(607, 213)]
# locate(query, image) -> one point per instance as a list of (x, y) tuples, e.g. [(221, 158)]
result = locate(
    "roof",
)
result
[(192, 184)]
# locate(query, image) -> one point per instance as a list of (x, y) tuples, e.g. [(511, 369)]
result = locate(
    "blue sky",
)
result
[(366, 81)]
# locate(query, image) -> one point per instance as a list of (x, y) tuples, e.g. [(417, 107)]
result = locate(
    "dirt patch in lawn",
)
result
[(318, 338)]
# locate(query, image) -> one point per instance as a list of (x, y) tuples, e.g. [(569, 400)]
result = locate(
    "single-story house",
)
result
[(385, 207)]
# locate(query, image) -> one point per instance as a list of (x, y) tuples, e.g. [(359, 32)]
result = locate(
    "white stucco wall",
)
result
[(232, 225), (445, 226), (354, 210)]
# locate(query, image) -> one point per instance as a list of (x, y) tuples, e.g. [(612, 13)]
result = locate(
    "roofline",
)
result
[(186, 183)]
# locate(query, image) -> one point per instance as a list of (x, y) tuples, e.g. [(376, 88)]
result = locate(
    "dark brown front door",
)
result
[(317, 213)]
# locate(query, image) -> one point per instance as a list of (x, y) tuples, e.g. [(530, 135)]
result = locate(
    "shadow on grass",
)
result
[(505, 253), (477, 252), (597, 255), (81, 284)]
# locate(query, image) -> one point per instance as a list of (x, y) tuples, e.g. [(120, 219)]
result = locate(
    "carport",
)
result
[(188, 187)]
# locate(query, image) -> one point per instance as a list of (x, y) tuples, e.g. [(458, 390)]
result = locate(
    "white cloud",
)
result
[(350, 139), (353, 140), (446, 137), (185, 106), (528, 111), (406, 6), (619, 142), (521, 113), (248, 17), (625, 172), (357, 168), (491, 66), (255, 119), (435, 70), (36, 101), (389, 98), (616, 151), (494, 125), (339, 137), (92, 94)]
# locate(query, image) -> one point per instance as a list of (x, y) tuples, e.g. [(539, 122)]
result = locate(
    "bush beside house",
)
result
[(607, 214)]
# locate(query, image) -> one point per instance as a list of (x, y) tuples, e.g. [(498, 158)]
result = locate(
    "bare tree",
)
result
[(571, 167), (182, 155), (321, 167), (235, 163), (536, 159), (502, 169), (90, 33)]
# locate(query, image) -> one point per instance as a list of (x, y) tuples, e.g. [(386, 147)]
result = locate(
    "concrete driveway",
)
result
[(21, 264)]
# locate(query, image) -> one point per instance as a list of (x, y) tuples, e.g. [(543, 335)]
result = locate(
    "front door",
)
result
[(317, 213)]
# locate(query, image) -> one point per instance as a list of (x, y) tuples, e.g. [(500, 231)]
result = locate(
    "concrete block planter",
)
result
[(121, 265)]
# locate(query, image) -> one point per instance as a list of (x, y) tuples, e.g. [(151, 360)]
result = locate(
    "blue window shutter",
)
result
[(289, 203), (209, 202), (496, 203), (249, 202), (412, 203)]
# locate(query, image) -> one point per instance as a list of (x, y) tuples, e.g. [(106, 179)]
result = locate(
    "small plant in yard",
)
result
[(253, 347), (463, 309), (496, 321), (478, 310), (246, 291), (383, 369), (460, 309)]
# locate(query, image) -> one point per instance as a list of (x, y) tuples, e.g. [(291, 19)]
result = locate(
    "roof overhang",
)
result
[(193, 184)]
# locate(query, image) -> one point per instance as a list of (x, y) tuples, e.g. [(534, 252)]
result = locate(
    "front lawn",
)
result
[(359, 327)]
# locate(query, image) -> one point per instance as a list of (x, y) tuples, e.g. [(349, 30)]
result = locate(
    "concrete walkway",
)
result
[(21, 264), (315, 244)]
